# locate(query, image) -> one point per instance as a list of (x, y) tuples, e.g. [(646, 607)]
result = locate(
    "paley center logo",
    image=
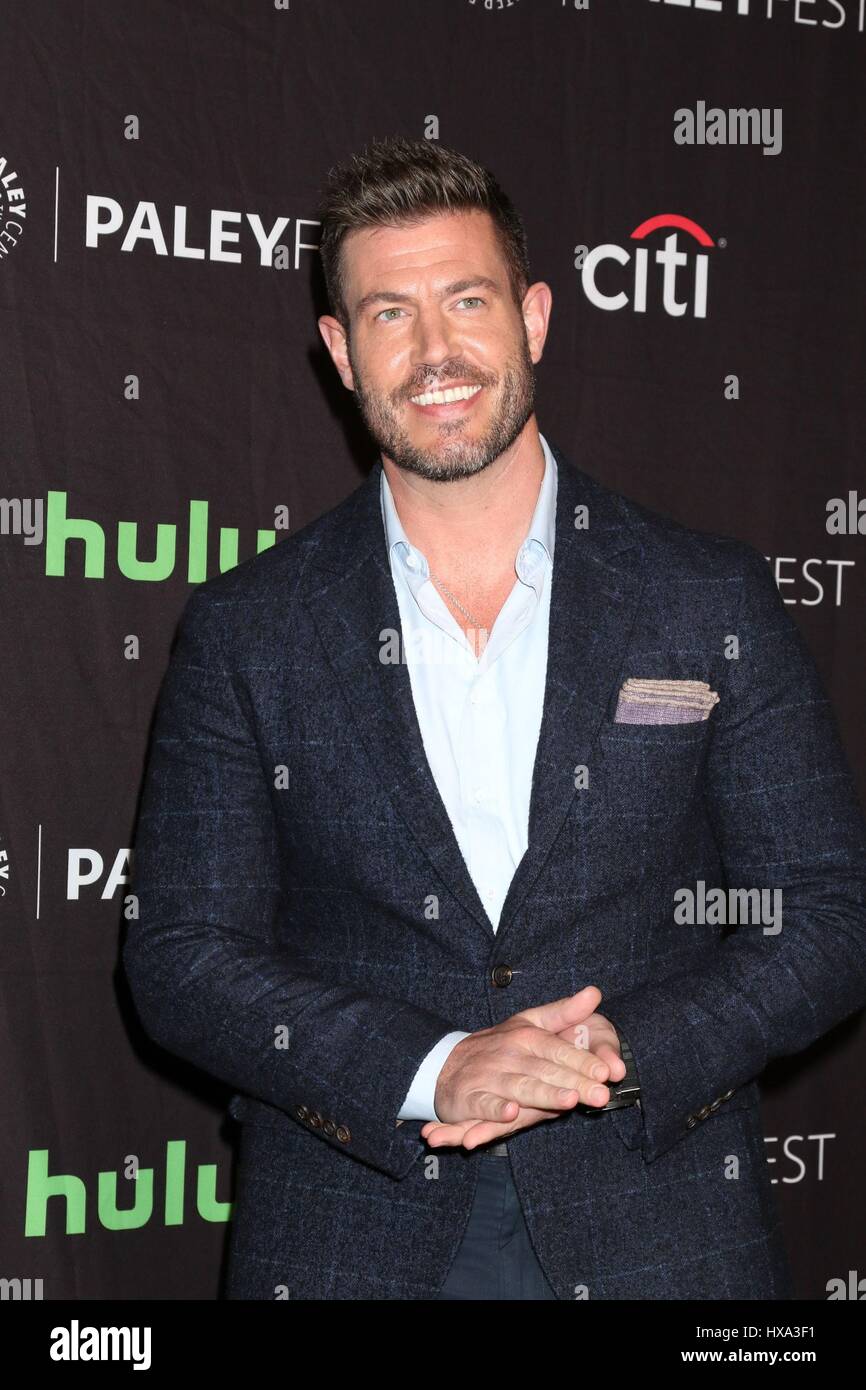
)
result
[(13, 208), (640, 283)]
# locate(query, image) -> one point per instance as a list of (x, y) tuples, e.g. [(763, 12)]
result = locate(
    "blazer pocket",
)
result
[(648, 734), (627, 1121), (629, 1125)]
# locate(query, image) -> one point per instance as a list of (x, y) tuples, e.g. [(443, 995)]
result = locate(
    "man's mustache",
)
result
[(440, 383)]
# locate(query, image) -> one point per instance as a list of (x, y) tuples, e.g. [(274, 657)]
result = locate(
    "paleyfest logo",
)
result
[(808, 14), (13, 208), (166, 234), (636, 285)]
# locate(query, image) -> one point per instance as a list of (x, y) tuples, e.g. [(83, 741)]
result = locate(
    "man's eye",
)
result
[(471, 299), (388, 311)]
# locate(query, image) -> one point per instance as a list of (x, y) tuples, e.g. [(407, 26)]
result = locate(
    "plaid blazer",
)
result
[(291, 841)]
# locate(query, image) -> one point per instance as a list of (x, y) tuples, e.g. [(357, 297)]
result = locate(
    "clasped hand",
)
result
[(532, 1067)]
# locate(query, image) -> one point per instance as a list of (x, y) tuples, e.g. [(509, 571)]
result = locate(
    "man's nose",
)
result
[(436, 339)]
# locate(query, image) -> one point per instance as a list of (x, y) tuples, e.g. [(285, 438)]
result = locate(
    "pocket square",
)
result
[(664, 702)]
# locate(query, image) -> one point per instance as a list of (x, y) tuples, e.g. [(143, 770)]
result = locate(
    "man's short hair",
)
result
[(399, 182)]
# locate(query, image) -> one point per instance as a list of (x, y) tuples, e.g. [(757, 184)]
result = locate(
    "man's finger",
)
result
[(607, 1052), (480, 1131), (441, 1136)]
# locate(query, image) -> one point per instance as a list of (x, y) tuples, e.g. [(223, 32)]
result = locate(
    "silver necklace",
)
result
[(454, 599)]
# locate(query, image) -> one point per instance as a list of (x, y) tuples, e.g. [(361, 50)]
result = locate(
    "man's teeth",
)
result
[(454, 393)]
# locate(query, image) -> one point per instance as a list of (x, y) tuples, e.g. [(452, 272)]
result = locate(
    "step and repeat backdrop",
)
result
[(692, 180)]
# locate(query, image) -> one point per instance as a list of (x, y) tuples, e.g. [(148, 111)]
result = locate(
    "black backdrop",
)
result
[(141, 375)]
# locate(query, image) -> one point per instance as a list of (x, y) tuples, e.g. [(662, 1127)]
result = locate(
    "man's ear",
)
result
[(337, 344), (537, 304)]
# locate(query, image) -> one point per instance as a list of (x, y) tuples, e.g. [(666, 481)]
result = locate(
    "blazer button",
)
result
[(727, 1095), (315, 1119), (691, 1121), (343, 1134), (301, 1112), (329, 1128), (502, 976), (715, 1106), (703, 1112)]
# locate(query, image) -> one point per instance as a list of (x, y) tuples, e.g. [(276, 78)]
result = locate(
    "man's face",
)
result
[(431, 311)]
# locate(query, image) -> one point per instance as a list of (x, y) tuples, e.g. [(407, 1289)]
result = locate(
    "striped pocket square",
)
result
[(664, 702)]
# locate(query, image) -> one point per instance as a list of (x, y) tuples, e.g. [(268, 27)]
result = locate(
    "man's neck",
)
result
[(485, 517)]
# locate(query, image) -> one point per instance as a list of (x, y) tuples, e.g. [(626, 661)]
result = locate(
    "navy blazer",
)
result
[(291, 840)]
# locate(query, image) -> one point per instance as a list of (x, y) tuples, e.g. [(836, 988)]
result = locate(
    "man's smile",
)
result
[(452, 400)]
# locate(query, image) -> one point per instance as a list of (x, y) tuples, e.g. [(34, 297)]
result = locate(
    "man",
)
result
[(430, 782)]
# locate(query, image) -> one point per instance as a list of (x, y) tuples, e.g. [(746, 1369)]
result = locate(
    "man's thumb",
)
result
[(558, 1014)]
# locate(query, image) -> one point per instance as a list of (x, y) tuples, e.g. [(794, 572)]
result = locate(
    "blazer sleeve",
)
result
[(209, 978), (784, 811)]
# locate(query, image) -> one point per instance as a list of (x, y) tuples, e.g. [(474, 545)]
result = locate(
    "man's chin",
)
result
[(444, 464)]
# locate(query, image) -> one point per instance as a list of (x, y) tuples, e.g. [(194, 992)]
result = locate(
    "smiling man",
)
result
[(447, 390), (421, 913)]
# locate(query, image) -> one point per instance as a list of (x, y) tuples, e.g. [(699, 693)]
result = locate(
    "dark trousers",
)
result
[(495, 1258)]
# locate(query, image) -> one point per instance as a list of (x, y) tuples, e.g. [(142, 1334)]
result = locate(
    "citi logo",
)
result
[(636, 286)]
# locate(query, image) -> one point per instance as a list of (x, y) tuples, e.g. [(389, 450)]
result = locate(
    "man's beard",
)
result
[(459, 457)]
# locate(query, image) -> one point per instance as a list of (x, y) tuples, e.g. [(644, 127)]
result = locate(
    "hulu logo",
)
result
[(60, 529), (41, 1186)]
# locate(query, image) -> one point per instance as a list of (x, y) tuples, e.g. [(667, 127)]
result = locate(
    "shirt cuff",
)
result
[(418, 1104)]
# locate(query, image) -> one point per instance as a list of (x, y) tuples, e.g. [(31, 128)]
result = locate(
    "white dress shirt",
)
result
[(479, 719)]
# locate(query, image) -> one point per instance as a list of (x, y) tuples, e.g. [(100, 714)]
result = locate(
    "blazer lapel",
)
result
[(598, 576), (351, 597), (350, 593)]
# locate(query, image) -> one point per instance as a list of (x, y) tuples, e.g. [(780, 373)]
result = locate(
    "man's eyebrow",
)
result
[(474, 282)]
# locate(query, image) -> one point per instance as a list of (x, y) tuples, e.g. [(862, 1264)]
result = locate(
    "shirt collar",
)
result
[(539, 541)]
